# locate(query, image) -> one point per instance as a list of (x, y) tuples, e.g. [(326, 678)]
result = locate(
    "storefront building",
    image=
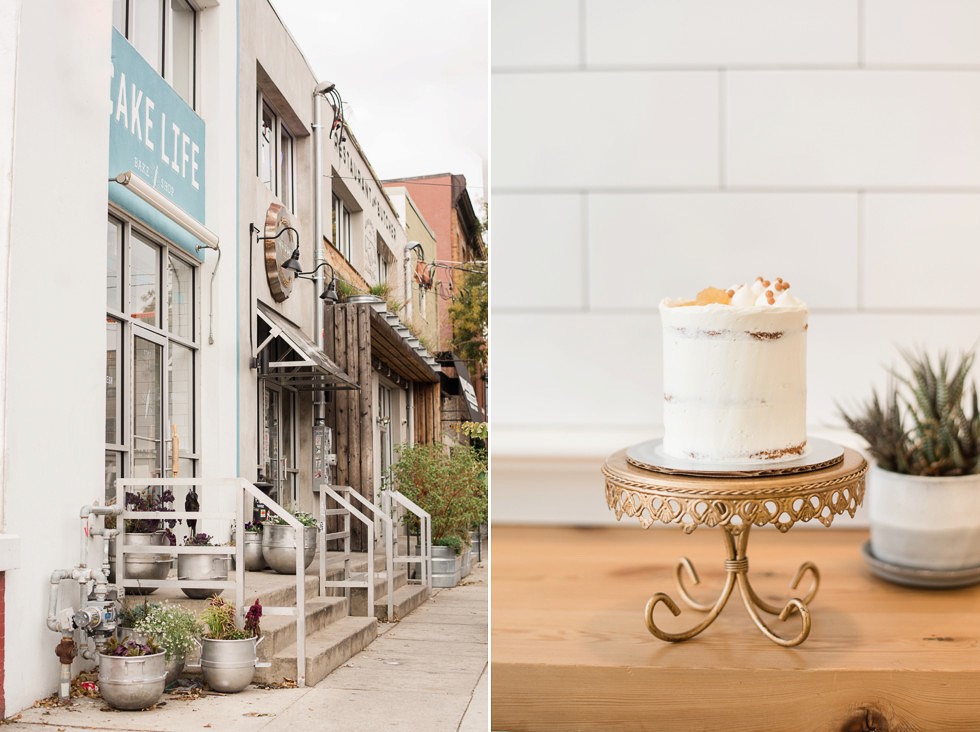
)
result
[(160, 157)]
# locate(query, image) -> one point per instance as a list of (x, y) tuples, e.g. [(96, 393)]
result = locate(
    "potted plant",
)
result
[(201, 567), (447, 483), (174, 630), (130, 616), (228, 653), (279, 542), (132, 674), (254, 561), (145, 532), (924, 489)]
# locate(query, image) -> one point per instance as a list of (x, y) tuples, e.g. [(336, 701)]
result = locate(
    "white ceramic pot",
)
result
[(924, 522)]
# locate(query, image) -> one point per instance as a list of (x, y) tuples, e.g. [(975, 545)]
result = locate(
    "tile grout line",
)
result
[(722, 140), (586, 259), (860, 251)]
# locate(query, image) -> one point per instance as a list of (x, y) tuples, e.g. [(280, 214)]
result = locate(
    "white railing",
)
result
[(238, 517), (424, 557), (348, 509)]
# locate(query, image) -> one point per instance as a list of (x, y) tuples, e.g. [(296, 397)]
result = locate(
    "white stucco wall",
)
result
[(218, 400), (56, 315)]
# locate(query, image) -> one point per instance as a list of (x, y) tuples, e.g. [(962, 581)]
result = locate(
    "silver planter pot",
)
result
[(228, 665), (446, 567), (279, 547), (132, 682), (254, 561), (201, 567), (142, 566), (174, 666)]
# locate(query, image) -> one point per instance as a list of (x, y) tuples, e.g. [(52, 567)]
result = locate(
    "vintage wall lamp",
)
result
[(330, 292)]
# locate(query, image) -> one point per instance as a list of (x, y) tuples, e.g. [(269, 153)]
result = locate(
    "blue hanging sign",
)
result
[(157, 136)]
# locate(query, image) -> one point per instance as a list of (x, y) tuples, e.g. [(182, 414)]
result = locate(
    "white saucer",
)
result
[(650, 455), (912, 577)]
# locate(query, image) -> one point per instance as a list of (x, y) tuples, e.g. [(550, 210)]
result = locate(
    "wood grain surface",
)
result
[(569, 648)]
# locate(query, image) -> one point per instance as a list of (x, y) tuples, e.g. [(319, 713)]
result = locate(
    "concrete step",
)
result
[(326, 649), (280, 630), (404, 600)]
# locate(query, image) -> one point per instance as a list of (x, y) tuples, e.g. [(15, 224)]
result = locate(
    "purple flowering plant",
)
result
[(130, 647), (151, 499), (200, 539)]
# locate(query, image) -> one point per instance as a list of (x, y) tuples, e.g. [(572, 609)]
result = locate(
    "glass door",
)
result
[(277, 454)]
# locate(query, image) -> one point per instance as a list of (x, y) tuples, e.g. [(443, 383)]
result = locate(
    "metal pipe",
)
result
[(320, 407), (167, 207), (56, 577)]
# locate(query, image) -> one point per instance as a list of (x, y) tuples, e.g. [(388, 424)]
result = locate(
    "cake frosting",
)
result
[(735, 374)]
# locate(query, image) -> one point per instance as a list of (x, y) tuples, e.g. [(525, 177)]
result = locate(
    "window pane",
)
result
[(180, 298), (113, 285), (119, 15), (180, 374), (113, 381), (187, 468), (147, 400), (267, 144), (286, 169), (147, 35), (335, 223), (145, 281), (183, 50), (113, 470)]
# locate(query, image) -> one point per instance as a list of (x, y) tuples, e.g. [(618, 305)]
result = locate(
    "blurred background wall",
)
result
[(649, 148)]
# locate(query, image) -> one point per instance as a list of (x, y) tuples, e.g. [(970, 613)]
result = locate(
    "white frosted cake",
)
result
[(735, 375)]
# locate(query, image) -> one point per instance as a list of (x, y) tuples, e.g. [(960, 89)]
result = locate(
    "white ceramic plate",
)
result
[(819, 454)]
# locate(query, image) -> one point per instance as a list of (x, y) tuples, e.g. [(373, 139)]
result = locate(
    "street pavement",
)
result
[(427, 672)]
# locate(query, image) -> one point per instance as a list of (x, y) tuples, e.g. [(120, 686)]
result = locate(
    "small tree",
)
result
[(449, 483)]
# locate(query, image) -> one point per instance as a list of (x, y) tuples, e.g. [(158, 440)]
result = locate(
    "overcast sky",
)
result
[(413, 77)]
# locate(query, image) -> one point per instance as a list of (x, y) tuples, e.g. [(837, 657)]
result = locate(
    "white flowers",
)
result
[(172, 627)]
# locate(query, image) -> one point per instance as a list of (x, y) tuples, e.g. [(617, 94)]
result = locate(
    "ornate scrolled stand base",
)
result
[(735, 503), (736, 568)]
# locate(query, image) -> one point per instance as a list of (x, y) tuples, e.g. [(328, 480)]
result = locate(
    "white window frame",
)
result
[(341, 227), (132, 327), (283, 183), (166, 43)]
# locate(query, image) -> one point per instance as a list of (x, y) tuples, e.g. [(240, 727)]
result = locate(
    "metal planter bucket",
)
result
[(173, 667), (228, 665), (132, 682), (142, 566), (279, 547), (254, 561), (446, 567), (201, 567)]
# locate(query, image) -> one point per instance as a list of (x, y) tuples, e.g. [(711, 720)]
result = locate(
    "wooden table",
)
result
[(569, 648)]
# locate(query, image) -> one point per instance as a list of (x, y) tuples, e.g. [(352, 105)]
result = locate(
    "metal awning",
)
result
[(301, 365)]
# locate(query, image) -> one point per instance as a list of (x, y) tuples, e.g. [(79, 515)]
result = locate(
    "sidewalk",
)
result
[(427, 672)]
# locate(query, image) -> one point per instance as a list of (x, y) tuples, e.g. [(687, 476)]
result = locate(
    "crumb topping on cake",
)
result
[(780, 453), (760, 293)]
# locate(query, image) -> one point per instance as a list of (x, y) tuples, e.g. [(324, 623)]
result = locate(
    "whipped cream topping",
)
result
[(761, 293)]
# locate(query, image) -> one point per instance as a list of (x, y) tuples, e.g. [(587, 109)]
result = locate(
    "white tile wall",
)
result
[(853, 129), (651, 147), (678, 243), (921, 251), (543, 265), (721, 32), (921, 32), (539, 33), (566, 130)]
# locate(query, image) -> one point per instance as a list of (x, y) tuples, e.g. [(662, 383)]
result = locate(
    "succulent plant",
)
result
[(920, 426)]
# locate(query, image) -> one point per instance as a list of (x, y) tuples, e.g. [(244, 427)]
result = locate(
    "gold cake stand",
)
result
[(736, 503)]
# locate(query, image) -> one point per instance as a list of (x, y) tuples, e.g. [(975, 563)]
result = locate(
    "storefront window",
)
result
[(145, 281), (151, 360), (113, 378), (341, 227), (164, 34), (147, 391), (180, 298), (113, 283)]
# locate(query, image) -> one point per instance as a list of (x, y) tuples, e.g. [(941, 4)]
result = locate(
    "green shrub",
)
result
[(449, 483)]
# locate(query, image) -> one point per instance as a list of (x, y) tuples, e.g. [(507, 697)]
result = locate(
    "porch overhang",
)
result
[(301, 365)]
